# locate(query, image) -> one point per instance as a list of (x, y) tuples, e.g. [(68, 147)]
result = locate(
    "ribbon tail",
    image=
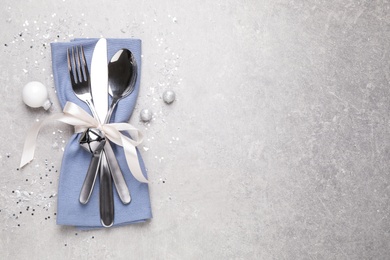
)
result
[(29, 144), (133, 161), (31, 138)]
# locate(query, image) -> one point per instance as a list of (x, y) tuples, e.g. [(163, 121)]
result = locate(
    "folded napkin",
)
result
[(76, 160)]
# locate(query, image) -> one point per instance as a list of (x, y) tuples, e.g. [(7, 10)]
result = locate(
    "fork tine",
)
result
[(75, 66), (78, 62), (84, 64), (70, 67)]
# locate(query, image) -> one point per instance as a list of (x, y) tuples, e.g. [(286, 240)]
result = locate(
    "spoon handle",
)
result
[(117, 175)]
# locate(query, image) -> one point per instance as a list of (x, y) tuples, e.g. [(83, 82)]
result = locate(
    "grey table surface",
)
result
[(277, 146)]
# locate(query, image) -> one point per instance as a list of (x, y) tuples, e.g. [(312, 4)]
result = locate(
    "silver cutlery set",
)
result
[(118, 78)]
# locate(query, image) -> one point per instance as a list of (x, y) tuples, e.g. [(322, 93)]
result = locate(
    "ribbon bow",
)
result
[(81, 120)]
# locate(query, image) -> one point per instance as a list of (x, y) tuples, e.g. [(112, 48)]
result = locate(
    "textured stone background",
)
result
[(276, 148)]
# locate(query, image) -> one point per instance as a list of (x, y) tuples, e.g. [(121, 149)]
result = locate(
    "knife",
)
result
[(99, 88), (99, 164)]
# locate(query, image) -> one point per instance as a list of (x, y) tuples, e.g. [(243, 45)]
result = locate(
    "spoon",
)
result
[(122, 75)]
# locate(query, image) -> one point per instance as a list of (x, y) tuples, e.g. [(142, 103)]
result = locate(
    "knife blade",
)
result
[(99, 79)]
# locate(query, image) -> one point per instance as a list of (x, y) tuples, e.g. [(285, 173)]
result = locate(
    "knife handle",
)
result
[(106, 197)]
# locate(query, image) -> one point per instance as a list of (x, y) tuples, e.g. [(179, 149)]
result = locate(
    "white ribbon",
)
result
[(81, 120)]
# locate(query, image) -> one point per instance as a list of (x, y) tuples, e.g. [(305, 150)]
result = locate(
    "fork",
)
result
[(81, 85)]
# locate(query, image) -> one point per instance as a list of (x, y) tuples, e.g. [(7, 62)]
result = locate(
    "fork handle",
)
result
[(90, 179)]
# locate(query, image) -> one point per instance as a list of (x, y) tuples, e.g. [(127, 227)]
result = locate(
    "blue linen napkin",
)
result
[(76, 160)]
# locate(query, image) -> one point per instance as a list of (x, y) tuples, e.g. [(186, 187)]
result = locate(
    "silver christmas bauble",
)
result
[(92, 140), (146, 115), (169, 96)]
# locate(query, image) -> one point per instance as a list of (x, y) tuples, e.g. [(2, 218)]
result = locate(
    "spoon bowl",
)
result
[(122, 75)]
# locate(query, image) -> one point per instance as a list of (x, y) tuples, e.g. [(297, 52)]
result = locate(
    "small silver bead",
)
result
[(146, 115), (169, 96)]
